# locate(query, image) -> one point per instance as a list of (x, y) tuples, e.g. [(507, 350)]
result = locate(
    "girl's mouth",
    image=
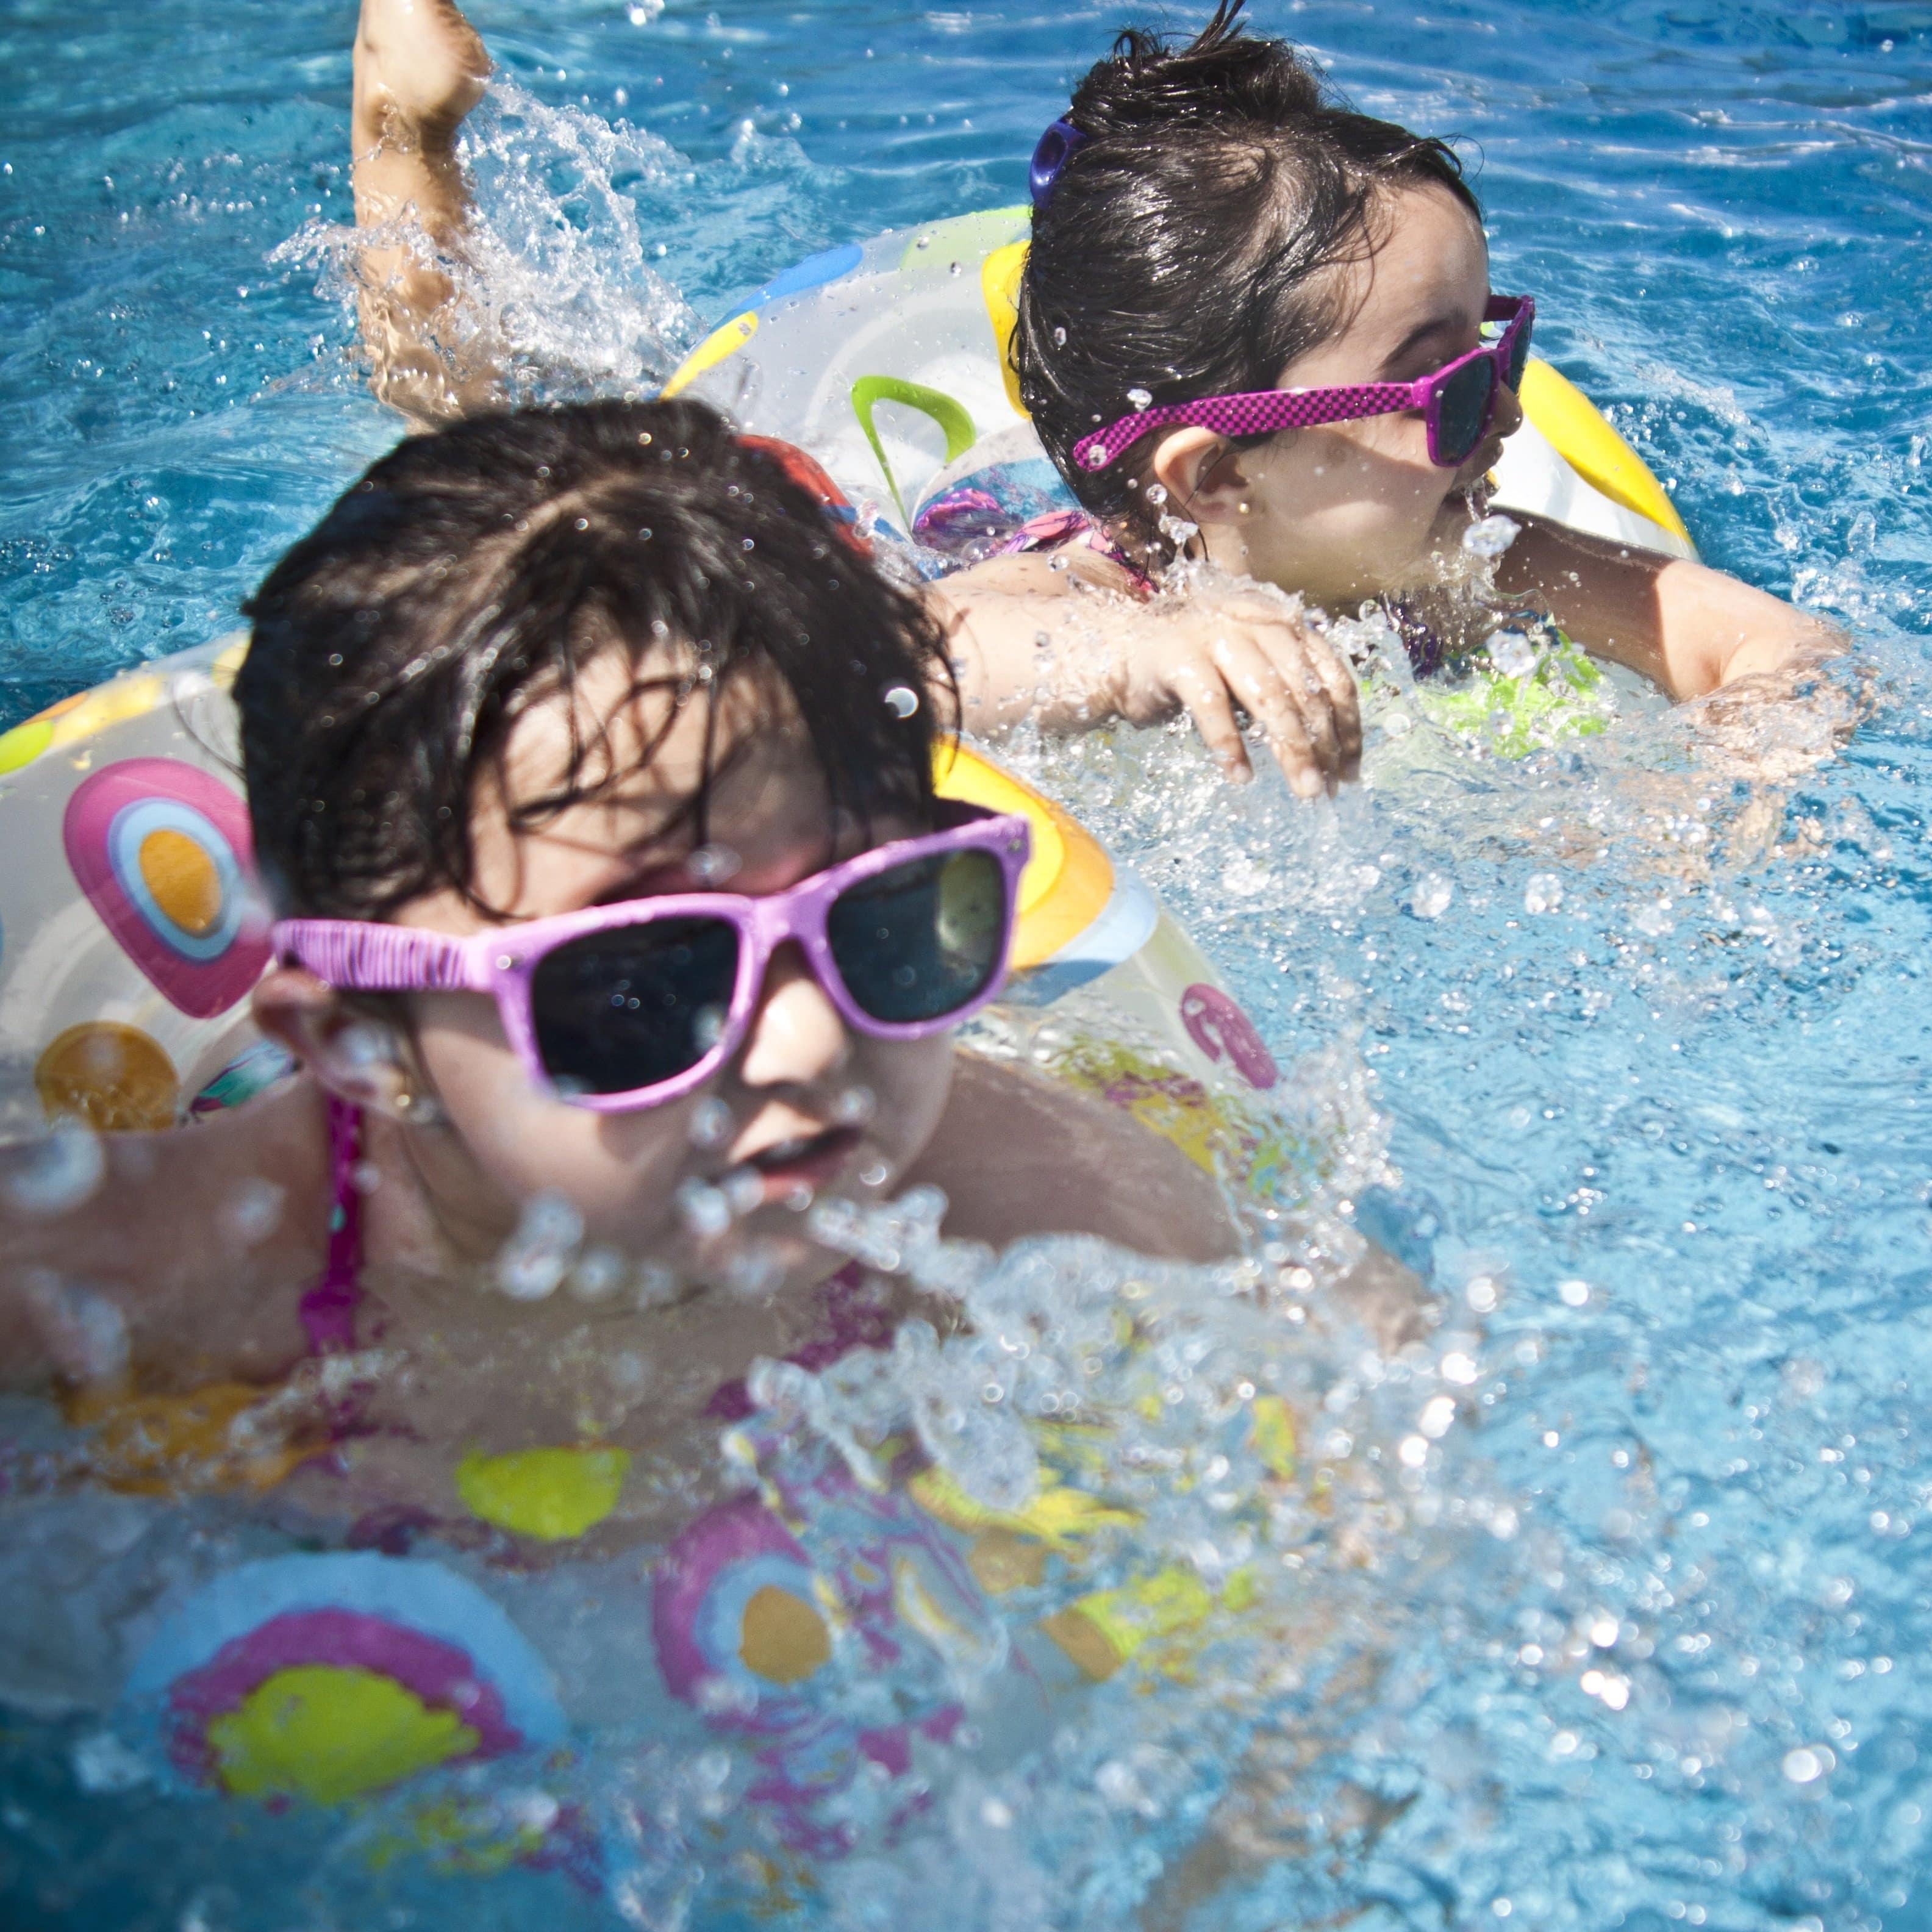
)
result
[(810, 1161)]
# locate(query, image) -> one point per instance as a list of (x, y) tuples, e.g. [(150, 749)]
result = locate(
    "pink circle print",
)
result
[(162, 850)]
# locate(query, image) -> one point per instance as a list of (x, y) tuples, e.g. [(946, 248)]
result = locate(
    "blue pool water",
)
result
[(1665, 1148)]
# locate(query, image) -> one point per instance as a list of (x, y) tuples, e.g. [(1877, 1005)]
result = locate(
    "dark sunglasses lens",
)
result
[(617, 1011), (923, 940), (1518, 356), (1463, 410)]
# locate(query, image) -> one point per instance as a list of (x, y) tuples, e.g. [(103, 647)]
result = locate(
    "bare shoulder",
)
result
[(1018, 1155), (169, 1240)]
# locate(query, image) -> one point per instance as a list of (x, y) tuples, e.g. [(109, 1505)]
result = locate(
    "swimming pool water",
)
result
[(1664, 1145)]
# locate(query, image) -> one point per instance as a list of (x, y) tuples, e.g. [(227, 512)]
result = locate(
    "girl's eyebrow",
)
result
[(1437, 324)]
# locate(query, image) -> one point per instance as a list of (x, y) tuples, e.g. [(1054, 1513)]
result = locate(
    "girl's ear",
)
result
[(1202, 475), (365, 1062)]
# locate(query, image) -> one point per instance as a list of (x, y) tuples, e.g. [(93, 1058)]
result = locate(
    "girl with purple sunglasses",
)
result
[(618, 925), (1256, 328)]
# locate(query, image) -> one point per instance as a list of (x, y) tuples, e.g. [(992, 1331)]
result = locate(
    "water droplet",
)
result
[(1512, 653), (599, 1275), (704, 1209), (1490, 536), (1575, 1293), (536, 1258), (1060, 338), (1140, 399), (711, 1122), (59, 1173), (1157, 494), (1805, 1766), (743, 1189), (901, 701)]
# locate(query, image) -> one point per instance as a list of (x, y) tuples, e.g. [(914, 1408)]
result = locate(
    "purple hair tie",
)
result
[(1050, 157)]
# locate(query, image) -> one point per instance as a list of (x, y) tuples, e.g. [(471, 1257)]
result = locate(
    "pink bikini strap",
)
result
[(329, 1309)]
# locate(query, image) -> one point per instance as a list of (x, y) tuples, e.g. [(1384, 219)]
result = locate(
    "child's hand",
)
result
[(1246, 650)]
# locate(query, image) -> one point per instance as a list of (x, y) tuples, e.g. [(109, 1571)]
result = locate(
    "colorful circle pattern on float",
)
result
[(162, 853), (326, 1677)]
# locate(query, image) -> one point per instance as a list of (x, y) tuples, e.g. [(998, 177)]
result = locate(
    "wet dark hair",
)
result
[(1179, 249), (473, 574)]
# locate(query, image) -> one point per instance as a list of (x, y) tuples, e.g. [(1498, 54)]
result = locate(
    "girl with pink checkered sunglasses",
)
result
[(1256, 331)]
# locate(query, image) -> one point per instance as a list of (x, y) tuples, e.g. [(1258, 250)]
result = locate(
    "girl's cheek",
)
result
[(527, 1141), (904, 1085)]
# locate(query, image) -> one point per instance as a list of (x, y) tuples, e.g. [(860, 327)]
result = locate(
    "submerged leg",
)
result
[(419, 68)]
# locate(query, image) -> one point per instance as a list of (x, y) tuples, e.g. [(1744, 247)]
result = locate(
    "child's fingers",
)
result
[(1205, 695), (1345, 696), (1300, 734), (1286, 654), (1323, 691)]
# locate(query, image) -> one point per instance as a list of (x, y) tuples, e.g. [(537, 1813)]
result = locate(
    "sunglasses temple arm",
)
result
[(371, 958)]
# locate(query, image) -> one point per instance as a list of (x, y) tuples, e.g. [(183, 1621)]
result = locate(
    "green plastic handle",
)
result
[(868, 391)]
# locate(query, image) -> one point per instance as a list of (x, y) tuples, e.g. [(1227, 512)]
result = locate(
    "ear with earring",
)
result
[(420, 1109), (364, 1057), (367, 1061)]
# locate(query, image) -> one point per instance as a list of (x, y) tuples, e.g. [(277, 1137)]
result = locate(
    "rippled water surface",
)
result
[(1646, 1023)]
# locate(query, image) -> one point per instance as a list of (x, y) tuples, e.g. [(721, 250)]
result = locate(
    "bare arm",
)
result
[(419, 68), (179, 1253), (1040, 637), (1016, 1155), (1689, 629)]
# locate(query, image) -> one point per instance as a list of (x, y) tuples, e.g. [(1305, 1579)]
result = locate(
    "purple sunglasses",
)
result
[(619, 1007), (1458, 402)]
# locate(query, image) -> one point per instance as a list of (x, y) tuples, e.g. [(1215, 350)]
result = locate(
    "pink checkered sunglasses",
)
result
[(619, 1007), (1458, 402)]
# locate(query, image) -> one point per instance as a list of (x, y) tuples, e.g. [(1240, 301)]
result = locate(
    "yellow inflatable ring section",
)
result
[(1069, 879)]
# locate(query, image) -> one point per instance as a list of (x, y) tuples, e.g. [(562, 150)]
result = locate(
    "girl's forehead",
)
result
[(1430, 265), (610, 792)]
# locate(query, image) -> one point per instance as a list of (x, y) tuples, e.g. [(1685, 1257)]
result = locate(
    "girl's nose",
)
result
[(1509, 412), (797, 1035)]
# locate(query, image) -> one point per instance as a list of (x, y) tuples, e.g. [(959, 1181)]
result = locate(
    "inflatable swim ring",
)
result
[(888, 361)]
